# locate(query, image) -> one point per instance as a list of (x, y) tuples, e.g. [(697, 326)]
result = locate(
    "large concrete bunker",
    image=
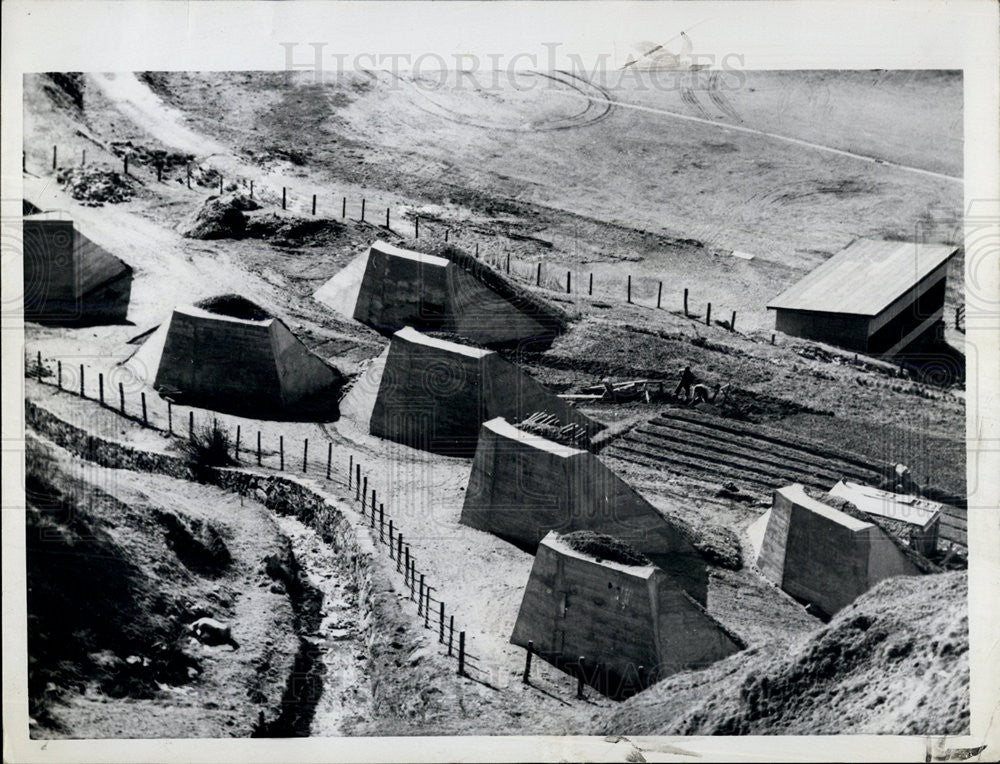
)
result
[(389, 287), (877, 297), (821, 555), (68, 279), (631, 623), (523, 486), (434, 395), (225, 362)]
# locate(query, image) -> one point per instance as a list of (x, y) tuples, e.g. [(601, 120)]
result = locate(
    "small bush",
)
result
[(206, 448)]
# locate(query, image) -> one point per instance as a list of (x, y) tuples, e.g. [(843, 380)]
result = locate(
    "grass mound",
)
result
[(234, 306), (604, 547)]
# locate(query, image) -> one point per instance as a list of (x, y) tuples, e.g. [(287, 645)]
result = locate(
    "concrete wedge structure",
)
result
[(524, 486), (823, 556), (390, 287), (68, 279), (434, 395), (227, 363), (632, 624)]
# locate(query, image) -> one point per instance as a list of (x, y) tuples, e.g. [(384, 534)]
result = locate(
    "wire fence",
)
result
[(433, 613)]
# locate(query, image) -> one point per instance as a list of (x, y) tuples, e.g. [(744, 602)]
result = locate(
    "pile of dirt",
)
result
[(234, 306), (893, 662), (604, 547), (220, 217), (292, 231), (146, 156), (95, 185)]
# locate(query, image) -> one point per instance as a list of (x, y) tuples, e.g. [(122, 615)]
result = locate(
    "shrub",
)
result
[(206, 448)]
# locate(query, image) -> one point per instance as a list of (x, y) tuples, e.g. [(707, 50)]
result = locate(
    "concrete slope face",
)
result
[(434, 394), (823, 556), (231, 363), (70, 279), (477, 312), (341, 292), (402, 288), (523, 486), (633, 622)]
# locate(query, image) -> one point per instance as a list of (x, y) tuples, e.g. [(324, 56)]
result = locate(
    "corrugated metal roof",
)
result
[(864, 278)]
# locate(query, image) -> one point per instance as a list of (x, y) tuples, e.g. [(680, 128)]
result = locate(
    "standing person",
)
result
[(687, 379)]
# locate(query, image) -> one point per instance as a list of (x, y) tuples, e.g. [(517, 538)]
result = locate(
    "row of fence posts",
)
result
[(398, 550), (447, 231)]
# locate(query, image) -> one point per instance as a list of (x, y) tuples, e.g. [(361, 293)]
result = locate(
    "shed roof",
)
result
[(864, 278)]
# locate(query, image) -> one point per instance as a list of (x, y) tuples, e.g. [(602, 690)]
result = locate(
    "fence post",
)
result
[(441, 624), (191, 425), (446, 232), (659, 295), (461, 653), (38, 364), (451, 632), (281, 449), (100, 387), (357, 481), (685, 302), (538, 276), (364, 495), (381, 523), (420, 598), (772, 338), (350, 471), (406, 567), (477, 249), (579, 681), (126, 164), (568, 281), (732, 322), (508, 262), (59, 374), (54, 157), (236, 451), (527, 663), (121, 397), (305, 456), (628, 293), (251, 189), (362, 209), (399, 548), (374, 503), (343, 208), (329, 458), (314, 204), (82, 389), (708, 315), (83, 159), (427, 604), (159, 173), (145, 420), (387, 218), (258, 448), (392, 543), (284, 198), (416, 227), (221, 186), (170, 418), (189, 175)]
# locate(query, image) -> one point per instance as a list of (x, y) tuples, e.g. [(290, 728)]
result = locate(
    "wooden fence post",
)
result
[(121, 397), (284, 198), (416, 227), (100, 387), (145, 420), (427, 604), (236, 450), (772, 338), (59, 374), (83, 159), (251, 189), (357, 481), (568, 282), (381, 523), (451, 632), (461, 653), (191, 425), (374, 504), (362, 209), (126, 164), (420, 597), (508, 262), (305, 456), (350, 471), (441, 624), (258, 448), (221, 185), (732, 322), (659, 295), (159, 173), (708, 315), (685, 302), (538, 276), (392, 543), (189, 175), (281, 449), (364, 495), (314, 204), (329, 458), (170, 418), (399, 549), (446, 232), (628, 293), (38, 364), (527, 663), (387, 219), (54, 158), (406, 567), (343, 208)]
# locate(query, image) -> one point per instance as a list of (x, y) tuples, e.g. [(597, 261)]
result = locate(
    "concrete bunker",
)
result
[(68, 279), (389, 287), (524, 486), (877, 297), (228, 354), (629, 621), (434, 395), (820, 555)]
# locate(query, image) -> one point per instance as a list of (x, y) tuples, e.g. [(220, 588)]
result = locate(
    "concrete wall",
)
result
[(523, 486), (435, 394), (621, 617), (477, 312), (823, 556), (300, 372), (398, 290)]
